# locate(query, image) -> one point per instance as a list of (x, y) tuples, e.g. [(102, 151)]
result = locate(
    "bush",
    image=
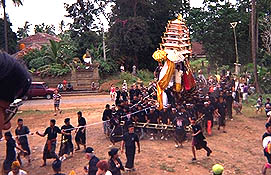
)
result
[(106, 68), (54, 70), (145, 75), (130, 79), (38, 62)]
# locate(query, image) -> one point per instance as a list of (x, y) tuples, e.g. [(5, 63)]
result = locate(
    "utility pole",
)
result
[(104, 46), (237, 65), (254, 44)]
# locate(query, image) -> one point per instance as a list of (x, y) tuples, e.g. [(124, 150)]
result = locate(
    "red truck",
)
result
[(39, 89)]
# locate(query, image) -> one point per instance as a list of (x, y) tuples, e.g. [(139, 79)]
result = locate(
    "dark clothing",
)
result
[(229, 101), (120, 113), (23, 139), (141, 116), (164, 116), (52, 132), (81, 122), (137, 92), (59, 174), (66, 146), (67, 129), (113, 167), (124, 96), (107, 114), (14, 78), (117, 97), (222, 111), (92, 169), (195, 129), (132, 93), (49, 150), (116, 134), (80, 136), (199, 140), (129, 140), (50, 146), (180, 133), (130, 160), (152, 117), (208, 112), (267, 155), (10, 149)]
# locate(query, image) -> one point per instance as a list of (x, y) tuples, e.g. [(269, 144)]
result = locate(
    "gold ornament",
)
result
[(160, 55)]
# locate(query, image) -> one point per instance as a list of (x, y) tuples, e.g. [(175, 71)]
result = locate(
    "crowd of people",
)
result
[(209, 105)]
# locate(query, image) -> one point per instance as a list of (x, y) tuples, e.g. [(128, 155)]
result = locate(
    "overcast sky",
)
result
[(45, 11)]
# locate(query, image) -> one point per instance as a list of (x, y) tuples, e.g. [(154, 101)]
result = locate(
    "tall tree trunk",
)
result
[(134, 7), (5, 26), (254, 45)]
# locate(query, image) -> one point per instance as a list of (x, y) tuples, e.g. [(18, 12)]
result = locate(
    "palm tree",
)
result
[(3, 3)]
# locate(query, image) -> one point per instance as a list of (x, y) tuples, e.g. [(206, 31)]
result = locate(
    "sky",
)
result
[(46, 11)]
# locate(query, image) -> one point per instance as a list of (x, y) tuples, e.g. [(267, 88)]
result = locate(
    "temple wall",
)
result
[(80, 79)]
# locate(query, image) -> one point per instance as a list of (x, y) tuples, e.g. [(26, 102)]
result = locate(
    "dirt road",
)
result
[(239, 150)]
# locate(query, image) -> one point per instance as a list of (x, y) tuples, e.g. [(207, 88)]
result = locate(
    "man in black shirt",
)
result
[(221, 108), (265, 150), (208, 117), (50, 146), (107, 115), (57, 167), (140, 116), (137, 91), (124, 95), (93, 160), (15, 82), (66, 146), (129, 140), (198, 141), (132, 93), (164, 119), (80, 136), (10, 152), (117, 101), (21, 131), (153, 118), (229, 102)]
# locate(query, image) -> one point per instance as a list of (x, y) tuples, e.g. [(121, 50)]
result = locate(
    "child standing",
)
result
[(56, 97)]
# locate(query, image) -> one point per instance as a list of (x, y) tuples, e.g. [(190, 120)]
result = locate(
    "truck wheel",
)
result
[(48, 96)]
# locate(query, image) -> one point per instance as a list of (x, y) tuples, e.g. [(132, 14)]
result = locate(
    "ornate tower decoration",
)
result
[(176, 74)]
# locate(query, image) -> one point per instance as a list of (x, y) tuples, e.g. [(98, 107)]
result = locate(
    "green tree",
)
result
[(42, 28), (3, 4), (23, 31), (136, 28), (12, 44), (211, 26), (83, 14)]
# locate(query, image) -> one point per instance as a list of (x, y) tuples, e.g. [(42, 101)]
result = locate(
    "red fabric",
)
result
[(209, 127), (189, 81)]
